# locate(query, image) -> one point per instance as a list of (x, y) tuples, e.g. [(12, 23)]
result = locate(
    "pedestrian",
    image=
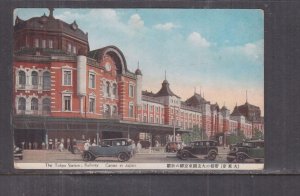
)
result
[(43, 145), (29, 145), (133, 147), (50, 144), (23, 145), (139, 146), (55, 143), (61, 147), (62, 140), (86, 145), (35, 145), (68, 144)]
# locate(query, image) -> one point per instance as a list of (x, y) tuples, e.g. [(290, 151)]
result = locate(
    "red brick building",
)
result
[(62, 90)]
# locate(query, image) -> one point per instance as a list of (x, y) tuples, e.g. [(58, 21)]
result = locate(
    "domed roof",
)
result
[(138, 72), (50, 24), (165, 90)]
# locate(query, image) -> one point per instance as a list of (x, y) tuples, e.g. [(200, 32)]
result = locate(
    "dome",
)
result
[(138, 72)]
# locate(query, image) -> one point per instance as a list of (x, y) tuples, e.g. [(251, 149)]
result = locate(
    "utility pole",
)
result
[(174, 121)]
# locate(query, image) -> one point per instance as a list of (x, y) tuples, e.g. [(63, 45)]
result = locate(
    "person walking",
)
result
[(133, 147), (86, 145), (139, 146), (50, 144)]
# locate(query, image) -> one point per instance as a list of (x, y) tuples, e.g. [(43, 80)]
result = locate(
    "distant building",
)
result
[(62, 90)]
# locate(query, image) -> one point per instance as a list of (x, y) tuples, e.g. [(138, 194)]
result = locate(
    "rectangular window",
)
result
[(36, 43), (74, 50), (130, 113), (69, 48), (144, 107), (151, 119), (151, 108), (67, 78), (43, 43), (92, 105), (131, 90), (50, 44), (67, 103), (92, 81)]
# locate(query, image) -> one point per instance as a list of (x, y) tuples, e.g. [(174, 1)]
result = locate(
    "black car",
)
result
[(199, 149), (253, 149), (18, 153), (119, 147)]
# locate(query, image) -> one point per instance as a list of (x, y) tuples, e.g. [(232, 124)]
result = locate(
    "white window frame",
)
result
[(63, 102), (43, 43), (50, 43), (108, 86), (92, 85), (69, 48), (74, 50), (25, 77), (43, 81), (131, 90), (129, 113), (43, 105), (94, 106), (63, 77), (36, 43), (18, 100), (115, 94), (37, 79)]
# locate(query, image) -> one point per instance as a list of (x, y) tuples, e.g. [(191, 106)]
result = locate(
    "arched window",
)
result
[(130, 110), (114, 111), (114, 90), (108, 89), (46, 106), (106, 111), (46, 81), (22, 105), (34, 79), (34, 105), (22, 79)]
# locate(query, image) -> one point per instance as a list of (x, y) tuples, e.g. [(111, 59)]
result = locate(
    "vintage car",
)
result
[(173, 146), (18, 153), (199, 149), (253, 149), (119, 147)]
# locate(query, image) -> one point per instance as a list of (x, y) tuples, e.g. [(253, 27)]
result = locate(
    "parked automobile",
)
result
[(18, 152), (173, 146), (253, 149), (119, 147), (199, 149), (231, 146)]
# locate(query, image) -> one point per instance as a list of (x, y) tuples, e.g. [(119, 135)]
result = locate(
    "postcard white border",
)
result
[(139, 166)]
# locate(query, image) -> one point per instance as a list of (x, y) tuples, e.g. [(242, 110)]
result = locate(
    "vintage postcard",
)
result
[(138, 89)]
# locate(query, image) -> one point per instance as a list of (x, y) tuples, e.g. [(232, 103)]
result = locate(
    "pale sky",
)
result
[(218, 51)]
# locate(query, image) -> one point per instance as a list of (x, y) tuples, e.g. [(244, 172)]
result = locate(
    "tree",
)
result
[(257, 134), (236, 138), (196, 134)]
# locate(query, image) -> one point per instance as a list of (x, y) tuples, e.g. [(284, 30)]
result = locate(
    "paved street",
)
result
[(35, 156)]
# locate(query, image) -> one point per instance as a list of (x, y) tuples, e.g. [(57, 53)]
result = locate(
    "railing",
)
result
[(33, 87), (33, 112)]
